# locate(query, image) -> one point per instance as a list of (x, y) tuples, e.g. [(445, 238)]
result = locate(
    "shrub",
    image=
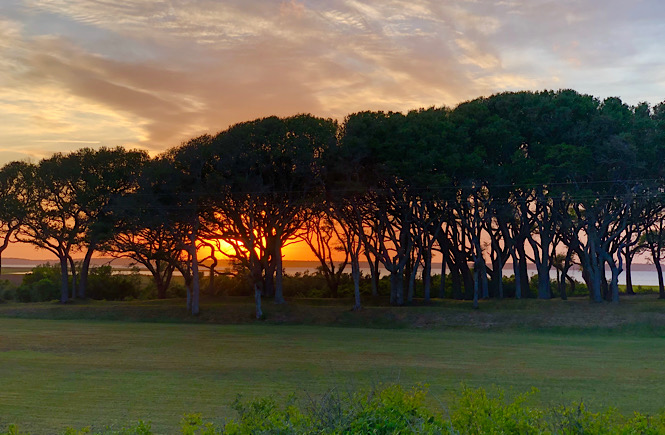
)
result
[(104, 284), (41, 284), (176, 291), (7, 290), (476, 411), (393, 409)]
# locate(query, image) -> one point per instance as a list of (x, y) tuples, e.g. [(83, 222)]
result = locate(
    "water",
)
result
[(642, 274)]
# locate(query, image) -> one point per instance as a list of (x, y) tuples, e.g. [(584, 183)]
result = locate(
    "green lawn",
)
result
[(58, 373)]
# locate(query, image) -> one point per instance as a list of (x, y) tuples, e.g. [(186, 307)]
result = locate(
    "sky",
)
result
[(152, 74)]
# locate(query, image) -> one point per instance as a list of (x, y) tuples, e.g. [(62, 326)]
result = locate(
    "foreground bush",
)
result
[(393, 409)]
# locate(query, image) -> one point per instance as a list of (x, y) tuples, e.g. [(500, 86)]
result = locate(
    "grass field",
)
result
[(79, 372)]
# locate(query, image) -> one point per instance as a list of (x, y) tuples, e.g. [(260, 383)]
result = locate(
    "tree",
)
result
[(13, 185), (153, 247), (179, 189), (53, 219), (105, 174), (326, 236), (653, 241), (263, 178)]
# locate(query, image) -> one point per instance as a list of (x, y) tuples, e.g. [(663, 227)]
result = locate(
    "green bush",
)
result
[(7, 290), (41, 284), (176, 291), (104, 284), (393, 409), (476, 411)]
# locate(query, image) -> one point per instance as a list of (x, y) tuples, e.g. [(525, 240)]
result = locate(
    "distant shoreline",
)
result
[(13, 262)]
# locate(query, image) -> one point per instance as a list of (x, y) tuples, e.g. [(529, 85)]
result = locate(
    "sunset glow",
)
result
[(152, 74), (85, 73)]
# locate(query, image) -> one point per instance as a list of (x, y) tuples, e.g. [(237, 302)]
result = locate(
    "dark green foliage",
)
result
[(176, 291), (7, 290), (41, 284), (103, 284)]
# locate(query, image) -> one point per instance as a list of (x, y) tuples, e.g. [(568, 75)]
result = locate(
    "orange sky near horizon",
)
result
[(297, 251)]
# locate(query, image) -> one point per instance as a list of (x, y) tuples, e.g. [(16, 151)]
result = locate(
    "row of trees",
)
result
[(549, 178)]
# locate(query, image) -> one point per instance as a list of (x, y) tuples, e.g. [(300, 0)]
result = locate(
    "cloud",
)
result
[(153, 74)]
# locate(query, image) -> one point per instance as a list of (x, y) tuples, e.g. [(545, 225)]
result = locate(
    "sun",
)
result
[(293, 251)]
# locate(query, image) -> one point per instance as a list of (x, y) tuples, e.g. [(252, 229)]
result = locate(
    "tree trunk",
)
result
[(524, 273), (396, 288), (257, 301), (442, 284), (661, 286), (543, 281), (614, 285), (469, 281), (456, 282), (655, 255), (85, 267), (72, 267), (562, 288), (483, 279), (195, 276), (355, 272), (412, 279), (629, 273), (279, 273), (64, 281), (518, 276), (427, 275), (374, 272), (497, 276), (211, 276), (595, 278), (572, 284), (161, 289), (269, 279), (604, 285), (475, 289)]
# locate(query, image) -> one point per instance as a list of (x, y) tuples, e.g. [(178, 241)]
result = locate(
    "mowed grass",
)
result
[(59, 373)]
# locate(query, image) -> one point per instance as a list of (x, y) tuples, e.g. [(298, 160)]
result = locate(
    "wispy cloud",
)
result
[(68, 141), (152, 74)]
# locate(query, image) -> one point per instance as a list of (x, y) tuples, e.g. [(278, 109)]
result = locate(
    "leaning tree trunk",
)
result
[(196, 290), (427, 275), (661, 286), (614, 282), (211, 277), (412, 279), (442, 283), (64, 282), (83, 278), (374, 271), (523, 272), (376, 275), (497, 276), (469, 281), (355, 272), (475, 288), (543, 281), (279, 273), (518, 275), (397, 286), (456, 282), (655, 255), (72, 266)]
